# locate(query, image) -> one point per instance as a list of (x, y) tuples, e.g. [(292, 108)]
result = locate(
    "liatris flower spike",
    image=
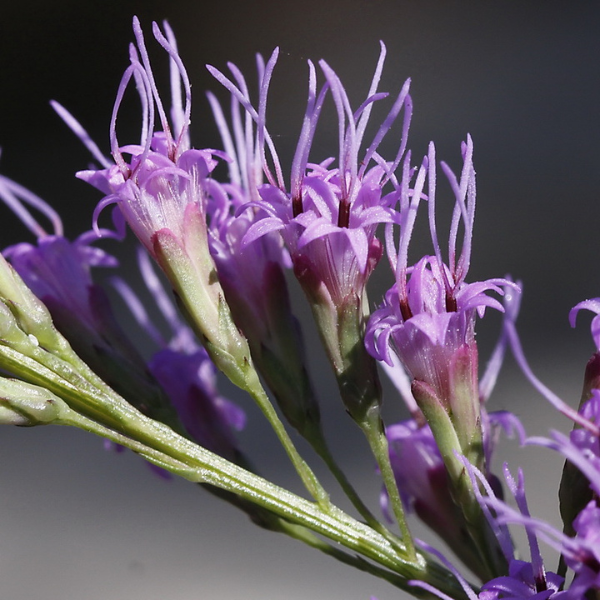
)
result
[(328, 221), (162, 194), (55, 386), (428, 320), (224, 248), (252, 275)]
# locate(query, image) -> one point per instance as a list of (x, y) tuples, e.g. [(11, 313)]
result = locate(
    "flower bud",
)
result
[(25, 405)]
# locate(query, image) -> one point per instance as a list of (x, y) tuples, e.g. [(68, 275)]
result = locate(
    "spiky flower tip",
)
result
[(161, 192), (163, 179), (329, 214), (428, 317), (252, 275)]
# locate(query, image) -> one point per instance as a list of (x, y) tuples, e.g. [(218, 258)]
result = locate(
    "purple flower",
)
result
[(428, 316), (580, 484), (428, 321), (530, 579), (190, 382), (328, 217), (580, 481), (56, 269), (423, 481), (164, 181), (252, 275), (521, 583), (581, 473), (161, 192), (525, 579)]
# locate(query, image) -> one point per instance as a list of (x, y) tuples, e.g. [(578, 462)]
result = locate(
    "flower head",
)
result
[(428, 321), (329, 214), (252, 275), (164, 179), (161, 193), (56, 270), (580, 549), (428, 316), (328, 217)]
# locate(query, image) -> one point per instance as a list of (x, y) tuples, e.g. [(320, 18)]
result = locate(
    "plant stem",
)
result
[(373, 429), (320, 446), (309, 479), (162, 446)]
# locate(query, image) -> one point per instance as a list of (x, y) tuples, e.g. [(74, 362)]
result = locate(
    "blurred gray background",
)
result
[(522, 78)]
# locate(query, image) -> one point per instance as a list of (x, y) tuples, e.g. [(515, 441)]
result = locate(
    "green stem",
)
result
[(320, 446), (190, 269), (379, 446), (162, 446), (312, 484), (69, 377), (22, 402), (271, 522)]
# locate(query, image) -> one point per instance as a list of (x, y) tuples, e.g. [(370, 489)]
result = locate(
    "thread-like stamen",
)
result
[(14, 195), (141, 44)]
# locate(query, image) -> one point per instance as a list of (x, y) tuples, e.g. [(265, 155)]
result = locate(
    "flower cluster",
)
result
[(177, 385), (223, 246)]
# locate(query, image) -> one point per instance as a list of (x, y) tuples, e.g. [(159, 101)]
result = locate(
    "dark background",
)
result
[(522, 78)]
